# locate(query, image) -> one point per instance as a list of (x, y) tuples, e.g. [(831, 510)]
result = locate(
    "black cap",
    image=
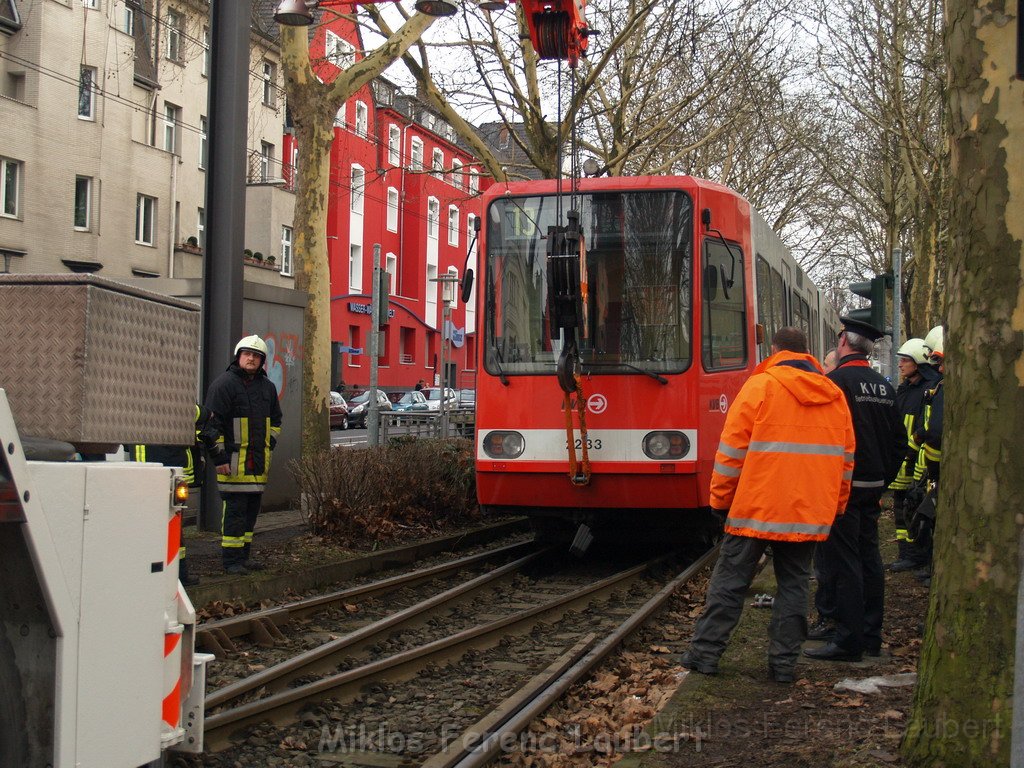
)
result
[(866, 330)]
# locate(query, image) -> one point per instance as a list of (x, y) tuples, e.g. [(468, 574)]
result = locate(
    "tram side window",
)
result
[(724, 335), (765, 304)]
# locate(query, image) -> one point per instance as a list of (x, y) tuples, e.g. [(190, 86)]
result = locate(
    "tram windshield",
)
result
[(635, 283)]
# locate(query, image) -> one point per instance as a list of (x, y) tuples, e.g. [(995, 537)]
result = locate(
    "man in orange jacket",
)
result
[(782, 473)]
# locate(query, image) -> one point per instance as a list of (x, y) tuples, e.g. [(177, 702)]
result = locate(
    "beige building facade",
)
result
[(104, 135)]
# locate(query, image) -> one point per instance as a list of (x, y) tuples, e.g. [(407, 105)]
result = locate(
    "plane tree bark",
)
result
[(962, 709), (313, 105)]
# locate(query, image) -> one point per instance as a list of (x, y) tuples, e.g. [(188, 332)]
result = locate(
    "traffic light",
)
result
[(383, 296), (877, 290)]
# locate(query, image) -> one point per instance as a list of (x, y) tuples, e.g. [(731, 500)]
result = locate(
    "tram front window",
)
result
[(636, 272)]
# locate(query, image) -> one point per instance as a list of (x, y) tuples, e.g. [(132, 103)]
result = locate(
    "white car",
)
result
[(434, 398)]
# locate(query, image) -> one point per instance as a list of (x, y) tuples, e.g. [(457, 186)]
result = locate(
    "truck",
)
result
[(97, 656)]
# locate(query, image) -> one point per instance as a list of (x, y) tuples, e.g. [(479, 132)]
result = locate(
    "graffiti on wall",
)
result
[(284, 354)]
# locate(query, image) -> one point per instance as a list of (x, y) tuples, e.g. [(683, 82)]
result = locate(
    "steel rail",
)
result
[(264, 626), (325, 656), (481, 742), (406, 664)]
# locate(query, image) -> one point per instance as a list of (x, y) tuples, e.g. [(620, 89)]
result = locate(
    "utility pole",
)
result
[(373, 407)]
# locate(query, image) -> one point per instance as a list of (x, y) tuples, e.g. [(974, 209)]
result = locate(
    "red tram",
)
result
[(616, 324)]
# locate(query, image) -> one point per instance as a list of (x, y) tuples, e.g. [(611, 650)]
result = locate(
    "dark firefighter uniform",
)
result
[(853, 578), (242, 433), (910, 397), (192, 462)]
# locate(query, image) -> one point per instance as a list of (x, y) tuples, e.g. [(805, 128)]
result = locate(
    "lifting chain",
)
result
[(579, 472)]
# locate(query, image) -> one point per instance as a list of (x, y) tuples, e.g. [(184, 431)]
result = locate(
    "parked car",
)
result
[(339, 412), (467, 399), (358, 407), (409, 402), (434, 398)]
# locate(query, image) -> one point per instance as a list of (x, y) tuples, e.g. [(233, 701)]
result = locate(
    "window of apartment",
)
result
[(339, 51), (392, 222), (391, 267), (172, 124), (175, 28), (266, 160), (453, 225), (145, 220), (269, 84), (457, 173), (416, 162), (286, 250), (128, 19), (470, 234), (433, 215), (91, 3), (394, 145), (204, 141), (437, 164), (355, 267), (474, 181), (362, 119), (339, 117), (10, 180), (201, 228), (358, 180), (83, 202), (87, 93)]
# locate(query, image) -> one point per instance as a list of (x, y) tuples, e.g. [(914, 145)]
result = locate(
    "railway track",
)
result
[(551, 630)]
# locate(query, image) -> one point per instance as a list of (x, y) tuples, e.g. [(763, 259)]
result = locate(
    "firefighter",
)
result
[(782, 472), (243, 431), (917, 378), (851, 588), (193, 463), (928, 434)]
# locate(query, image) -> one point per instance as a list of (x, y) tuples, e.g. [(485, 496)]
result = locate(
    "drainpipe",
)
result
[(171, 214)]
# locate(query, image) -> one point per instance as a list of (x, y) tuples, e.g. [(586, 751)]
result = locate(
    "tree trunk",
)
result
[(963, 702)]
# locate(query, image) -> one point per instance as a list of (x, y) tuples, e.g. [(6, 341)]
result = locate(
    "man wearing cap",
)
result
[(852, 577), (245, 423)]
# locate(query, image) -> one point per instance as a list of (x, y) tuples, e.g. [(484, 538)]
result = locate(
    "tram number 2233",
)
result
[(592, 445)]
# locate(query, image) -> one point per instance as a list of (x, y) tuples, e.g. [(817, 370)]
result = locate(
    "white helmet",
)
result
[(254, 344), (934, 340), (915, 349)]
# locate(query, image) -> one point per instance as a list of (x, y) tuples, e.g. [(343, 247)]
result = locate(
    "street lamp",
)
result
[(299, 13)]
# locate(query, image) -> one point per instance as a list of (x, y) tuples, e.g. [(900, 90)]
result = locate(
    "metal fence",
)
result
[(417, 424)]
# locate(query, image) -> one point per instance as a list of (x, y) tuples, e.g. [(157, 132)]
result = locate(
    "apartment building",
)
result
[(103, 145), (400, 181)]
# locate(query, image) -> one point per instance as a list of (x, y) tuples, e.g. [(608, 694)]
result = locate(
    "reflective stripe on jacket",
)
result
[(785, 460), (243, 429)]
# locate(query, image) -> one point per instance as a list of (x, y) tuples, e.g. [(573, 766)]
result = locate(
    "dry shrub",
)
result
[(377, 493)]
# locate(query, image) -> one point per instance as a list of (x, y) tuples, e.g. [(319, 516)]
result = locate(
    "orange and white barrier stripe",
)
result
[(174, 629)]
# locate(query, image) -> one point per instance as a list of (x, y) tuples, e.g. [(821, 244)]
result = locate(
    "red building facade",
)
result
[(398, 181)]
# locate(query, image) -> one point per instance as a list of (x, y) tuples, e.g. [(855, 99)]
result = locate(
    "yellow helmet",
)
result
[(915, 349), (934, 340), (254, 344)]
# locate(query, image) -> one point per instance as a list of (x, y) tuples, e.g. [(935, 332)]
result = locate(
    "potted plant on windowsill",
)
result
[(191, 245), (271, 260)]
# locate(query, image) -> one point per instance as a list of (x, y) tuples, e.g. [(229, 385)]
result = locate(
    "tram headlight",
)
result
[(504, 445), (666, 445)]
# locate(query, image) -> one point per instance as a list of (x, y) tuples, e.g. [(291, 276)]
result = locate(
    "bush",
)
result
[(377, 493)]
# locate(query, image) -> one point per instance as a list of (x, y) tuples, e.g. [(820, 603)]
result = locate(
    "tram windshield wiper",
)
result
[(603, 364)]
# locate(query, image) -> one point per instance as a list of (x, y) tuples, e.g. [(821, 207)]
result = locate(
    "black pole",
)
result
[(227, 110)]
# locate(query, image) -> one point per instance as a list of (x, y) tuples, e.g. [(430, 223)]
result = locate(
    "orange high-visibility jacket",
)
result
[(785, 460)]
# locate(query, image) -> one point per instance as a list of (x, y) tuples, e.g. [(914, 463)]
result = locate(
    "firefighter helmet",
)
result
[(934, 340), (915, 349), (254, 344)]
